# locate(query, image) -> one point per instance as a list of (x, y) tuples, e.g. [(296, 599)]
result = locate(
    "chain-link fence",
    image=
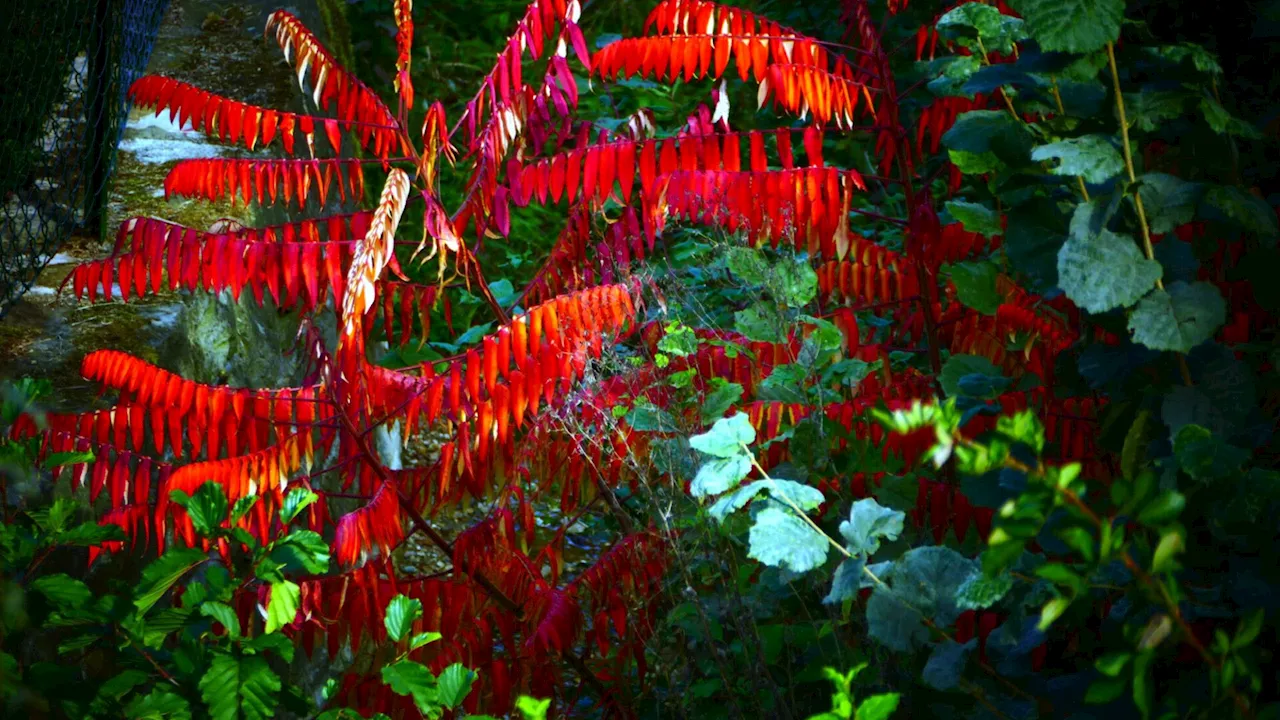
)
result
[(64, 68)]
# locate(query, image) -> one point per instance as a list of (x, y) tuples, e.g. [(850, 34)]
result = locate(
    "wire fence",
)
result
[(65, 66)]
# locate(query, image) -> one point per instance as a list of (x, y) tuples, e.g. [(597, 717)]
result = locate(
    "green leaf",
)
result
[(1178, 318), (1149, 109), (974, 163), (1051, 611), (759, 322), (423, 638), (407, 677), (1253, 213), (780, 539), (786, 384), (279, 643), (1074, 26), (236, 688), (282, 608), (58, 459), (749, 264), (878, 707), (1092, 157), (975, 217), (1165, 507), (1224, 123), (982, 591), (975, 283), (243, 506), (869, 522), (961, 375), (455, 684), (401, 613), (923, 585), (800, 495), (160, 704), (983, 131), (678, 340), (63, 590), (946, 663), (532, 708), (647, 417), (224, 614), (1105, 271), (1205, 456), (207, 508), (1168, 201), (717, 402), (1035, 233), (295, 502), (726, 436), (972, 22), (1164, 558), (301, 551), (161, 574), (717, 476)]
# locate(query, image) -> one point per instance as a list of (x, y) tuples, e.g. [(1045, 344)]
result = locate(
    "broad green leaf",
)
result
[(726, 436), (759, 322), (975, 283), (923, 584), (1092, 157), (282, 608), (971, 163), (1105, 271), (993, 131), (678, 340), (1074, 26), (401, 613), (120, 685), (975, 217), (981, 591), (960, 367), (1168, 201), (749, 264), (279, 643), (532, 708), (1205, 456), (295, 502), (160, 704), (869, 522), (161, 574), (800, 495), (1035, 233), (240, 688), (786, 384), (243, 506), (301, 551), (407, 677), (877, 707), (780, 539), (1151, 108), (63, 590), (647, 417), (90, 533), (423, 638), (717, 402), (224, 614), (1252, 212), (972, 22), (1165, 507), (946, 663), (58, 459), (719, 475), (1224, 123), (207, 508), (1178, 318), (455, 684)]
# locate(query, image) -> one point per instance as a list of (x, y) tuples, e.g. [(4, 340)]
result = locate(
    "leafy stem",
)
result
[(1128, 158)]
